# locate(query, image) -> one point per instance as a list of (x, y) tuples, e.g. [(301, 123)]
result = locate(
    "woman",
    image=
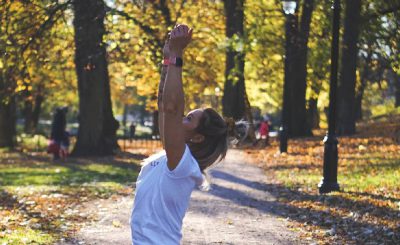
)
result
[(191, 144)]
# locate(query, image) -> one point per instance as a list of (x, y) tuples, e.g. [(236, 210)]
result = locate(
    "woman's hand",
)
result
[(180, 37)]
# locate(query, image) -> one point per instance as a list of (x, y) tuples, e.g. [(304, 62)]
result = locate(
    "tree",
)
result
[(23, 25), (264, 47), (397, 95), (318, 62), (298, 125), (97, 126), (7, 120), (365, 73), (387, 14), (347, 78), (233, 101)]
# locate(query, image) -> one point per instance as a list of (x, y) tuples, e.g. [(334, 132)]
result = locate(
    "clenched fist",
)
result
[(179, 38)]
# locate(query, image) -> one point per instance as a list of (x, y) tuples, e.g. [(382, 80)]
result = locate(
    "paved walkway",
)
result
[(237, 210)]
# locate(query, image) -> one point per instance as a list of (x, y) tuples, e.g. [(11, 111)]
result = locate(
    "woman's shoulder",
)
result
[(186, 166), (155, 157)]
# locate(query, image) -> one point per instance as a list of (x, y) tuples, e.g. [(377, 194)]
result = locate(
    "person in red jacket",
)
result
[(264, 131)]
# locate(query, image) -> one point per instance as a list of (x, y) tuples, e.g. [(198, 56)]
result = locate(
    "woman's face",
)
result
[(190, 123)]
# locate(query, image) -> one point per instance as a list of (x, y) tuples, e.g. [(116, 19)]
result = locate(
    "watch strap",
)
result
[(177, 61)]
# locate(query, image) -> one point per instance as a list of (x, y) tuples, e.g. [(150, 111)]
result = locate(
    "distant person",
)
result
[(132, 131), (59, 138), (264, 131)]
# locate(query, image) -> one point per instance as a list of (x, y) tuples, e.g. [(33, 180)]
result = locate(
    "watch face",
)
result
[(177, 61)]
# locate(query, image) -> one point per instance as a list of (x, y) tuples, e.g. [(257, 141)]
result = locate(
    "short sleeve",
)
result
[(186, 167)]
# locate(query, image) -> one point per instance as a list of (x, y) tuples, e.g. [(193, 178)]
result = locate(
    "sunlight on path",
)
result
[(237, 210)]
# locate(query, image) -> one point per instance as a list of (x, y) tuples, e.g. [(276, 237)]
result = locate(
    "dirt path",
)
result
[(237, 210)]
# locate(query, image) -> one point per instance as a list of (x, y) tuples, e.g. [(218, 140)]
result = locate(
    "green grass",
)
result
[(40, 172), (63, 174), (35, 142), (31, 184), (364, 174), (26, 236), (368, 175)]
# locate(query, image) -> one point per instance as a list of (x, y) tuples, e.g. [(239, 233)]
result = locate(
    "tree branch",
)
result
[(147, 29), (47, 24), (166, 13), (379, 13), (179, 12)]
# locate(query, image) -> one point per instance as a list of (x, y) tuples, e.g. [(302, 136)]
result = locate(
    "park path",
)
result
[(237, 210)]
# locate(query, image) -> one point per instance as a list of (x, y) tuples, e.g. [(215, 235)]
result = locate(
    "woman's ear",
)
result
[(197, 138)]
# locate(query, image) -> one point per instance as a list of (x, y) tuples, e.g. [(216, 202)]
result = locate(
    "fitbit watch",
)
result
[(176, 61)]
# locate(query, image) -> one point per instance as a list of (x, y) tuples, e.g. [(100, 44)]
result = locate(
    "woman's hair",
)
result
[(217, 133)]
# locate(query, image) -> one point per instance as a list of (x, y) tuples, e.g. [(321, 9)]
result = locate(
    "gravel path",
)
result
[(237, 210)]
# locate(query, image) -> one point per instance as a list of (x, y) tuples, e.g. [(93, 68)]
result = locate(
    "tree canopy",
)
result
[(37, 54)]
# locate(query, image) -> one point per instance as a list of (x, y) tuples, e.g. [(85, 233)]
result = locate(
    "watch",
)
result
[(177, 61)]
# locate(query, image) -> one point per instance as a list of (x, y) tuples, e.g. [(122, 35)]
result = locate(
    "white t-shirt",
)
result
[(162, 198)]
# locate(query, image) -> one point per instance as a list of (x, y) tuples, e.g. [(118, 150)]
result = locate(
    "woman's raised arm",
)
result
[(163, 76), (173, 97)]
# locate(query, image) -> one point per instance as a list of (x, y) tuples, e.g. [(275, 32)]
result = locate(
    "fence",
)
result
[(143, 145)]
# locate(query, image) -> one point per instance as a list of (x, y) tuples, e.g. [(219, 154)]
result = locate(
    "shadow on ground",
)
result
[(350, 227)]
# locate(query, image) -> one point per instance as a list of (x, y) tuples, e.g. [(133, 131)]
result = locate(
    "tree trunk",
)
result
[(249, 117), (233, 101), (32, 110), (97, 125), (36, 111), (347, 82), (28, 113), (397, 93), (360, 93), (298, 124), (7, 122), (358, 106), (313, 113)]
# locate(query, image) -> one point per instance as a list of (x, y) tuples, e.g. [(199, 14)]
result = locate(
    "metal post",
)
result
[(329, 181), (283, 130)]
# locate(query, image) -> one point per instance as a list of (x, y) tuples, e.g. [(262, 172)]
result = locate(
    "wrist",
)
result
[(176, 53), (176, 61)]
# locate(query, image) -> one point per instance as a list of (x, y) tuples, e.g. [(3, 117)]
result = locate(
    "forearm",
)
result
[(159, 102), (173, 97), (161, 85)]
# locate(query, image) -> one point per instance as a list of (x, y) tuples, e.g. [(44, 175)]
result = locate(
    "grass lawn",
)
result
[(367, 209), (39, 198)]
